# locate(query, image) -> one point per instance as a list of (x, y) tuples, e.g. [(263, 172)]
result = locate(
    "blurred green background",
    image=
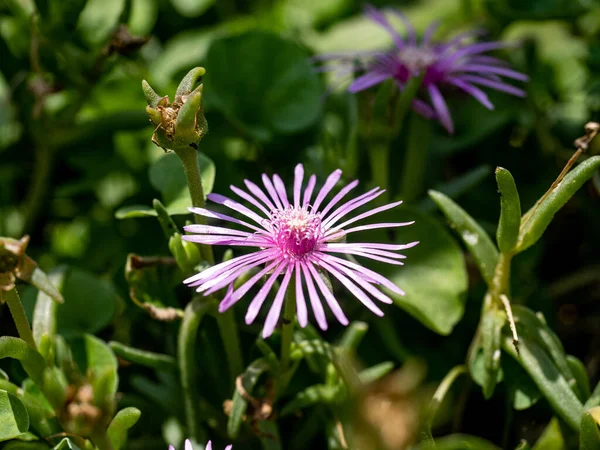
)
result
[(76, 154)]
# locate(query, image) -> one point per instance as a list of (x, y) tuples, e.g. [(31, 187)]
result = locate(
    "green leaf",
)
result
[(523, 445), (269, 435), (192, 8), (90, 304), (22, 445), (239, 403), (510, 211), (312, 395), (434, 277), (551, 438), (99, 19), (537, 219), (474, 237), (121, 423), (548, 379), (14, 419), (491, 338), (580, 373), (589, 435), (143, 16), (594, 399), (44, 317), (142, 357), (375, 372), (478, 371), (273, 89), (167, 176), (525, 393)]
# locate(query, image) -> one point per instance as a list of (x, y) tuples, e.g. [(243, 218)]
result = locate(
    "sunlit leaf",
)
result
[(14, 419)]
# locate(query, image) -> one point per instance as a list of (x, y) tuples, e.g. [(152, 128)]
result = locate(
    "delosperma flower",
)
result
[(188, 446), (296, 240), (456, 64)]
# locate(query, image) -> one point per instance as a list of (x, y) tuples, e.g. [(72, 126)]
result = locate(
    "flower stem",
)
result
[(415, 159), (18, 314), (379, 157), (189, 159), (231, 342), (287, 327), (186, 355)]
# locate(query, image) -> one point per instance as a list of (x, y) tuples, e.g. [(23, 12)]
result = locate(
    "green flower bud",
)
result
[(186, 254), (181, 124)]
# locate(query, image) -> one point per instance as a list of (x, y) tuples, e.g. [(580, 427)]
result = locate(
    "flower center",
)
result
[(296, 231), (417, 59)]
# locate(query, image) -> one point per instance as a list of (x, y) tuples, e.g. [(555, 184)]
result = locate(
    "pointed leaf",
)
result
[(510, 211), (537, 219), (474, 237), (66, 444), (188, 82), (491, 340), (589, 435)]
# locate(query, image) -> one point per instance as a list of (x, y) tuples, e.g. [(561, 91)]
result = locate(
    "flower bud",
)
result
[(180, 124)]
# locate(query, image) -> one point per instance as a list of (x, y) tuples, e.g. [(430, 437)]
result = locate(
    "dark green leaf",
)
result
[(580, 373), (273, 89), (551, 438), (510, 211), (537, 219), (491, 333), (459, 442), (474, 237), (32, 361), (434, 277), (524, 391), (312, 395), (589, 435), (142, 357), (523, 445), (14, 419), (66, 444)]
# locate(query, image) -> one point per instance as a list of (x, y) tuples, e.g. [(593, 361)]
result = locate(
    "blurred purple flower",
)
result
[(188, 446), (296, 239), (453, 64)]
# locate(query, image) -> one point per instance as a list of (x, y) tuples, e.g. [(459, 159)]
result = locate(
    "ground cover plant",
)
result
[(291, 224)]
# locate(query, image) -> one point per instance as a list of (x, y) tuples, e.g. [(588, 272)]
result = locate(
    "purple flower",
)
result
[(296, 240), (454, 64), (188, 446)]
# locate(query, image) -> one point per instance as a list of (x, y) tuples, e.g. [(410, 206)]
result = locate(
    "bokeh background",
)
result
[(76, 157)]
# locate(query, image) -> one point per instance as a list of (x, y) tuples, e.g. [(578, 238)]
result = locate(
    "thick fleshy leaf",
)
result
[(491, 339), (589, 435), (31, 360), (121, 423), (191, 8), (524, 391), (551, 438), (434, 277), (474, 237), (510, 211), (44, 316), (66, 444), (99, 19), (458, 442), (14, 419), (581, 377), (537, 219), (143, 357), (312, 395), (555, 388), (273, 90)]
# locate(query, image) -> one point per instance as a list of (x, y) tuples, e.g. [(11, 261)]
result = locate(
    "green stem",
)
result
[(186, 354), (440, 393), (189, 159), (231, 342), (379, 157), (287, 327), (415, 159), (18, 314), (501, 280)]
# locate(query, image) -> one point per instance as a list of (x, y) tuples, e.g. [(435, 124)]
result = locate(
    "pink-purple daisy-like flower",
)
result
[(455, 64), (188, 446), (298, 240)]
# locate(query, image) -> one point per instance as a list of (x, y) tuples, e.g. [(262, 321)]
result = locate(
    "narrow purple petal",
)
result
[(250, 199), (338, 197), (280, 188), (367, 80), (315, 301), (475, 92), (482, 69), (310, 186), (215, 215), (298, 178), (258, 301), (229, 301), (271, 190), (474, 49), (355, 290), (377, 16), (374, 226), (441, 109), (228, 240), (211, 229), (358, 252), (429, 32), (329, 298), (327, 187), (275, 311), (259, 193), (366, 214), (497, 85), (223, 266), (226, 278), (236, 206), (300, 301), (410, 30), (351, 205), (423, 108)]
